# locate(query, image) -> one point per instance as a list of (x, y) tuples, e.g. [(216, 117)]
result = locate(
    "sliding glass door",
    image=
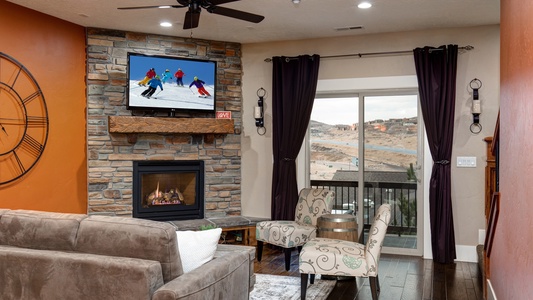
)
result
[(366, 148)]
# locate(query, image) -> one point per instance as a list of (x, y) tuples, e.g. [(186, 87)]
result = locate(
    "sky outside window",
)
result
[(344, 111)]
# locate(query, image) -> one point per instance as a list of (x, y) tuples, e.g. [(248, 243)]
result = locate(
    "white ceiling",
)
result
[(283, 19)]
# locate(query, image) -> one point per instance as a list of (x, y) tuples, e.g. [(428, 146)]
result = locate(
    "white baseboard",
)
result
[(466, 253), (491, 295)]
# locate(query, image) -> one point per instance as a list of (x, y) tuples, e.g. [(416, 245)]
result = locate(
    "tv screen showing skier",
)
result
[(170, 83)]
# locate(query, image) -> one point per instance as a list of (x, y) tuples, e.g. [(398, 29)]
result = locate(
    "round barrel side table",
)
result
[(340, 227)]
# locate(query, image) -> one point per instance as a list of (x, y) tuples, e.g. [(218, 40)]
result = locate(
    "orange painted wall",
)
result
[(512, 257), (54, 52)]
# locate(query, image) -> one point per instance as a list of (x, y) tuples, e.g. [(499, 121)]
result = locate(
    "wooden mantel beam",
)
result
[(131, 124)]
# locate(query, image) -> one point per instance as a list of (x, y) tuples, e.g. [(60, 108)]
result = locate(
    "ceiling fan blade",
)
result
[(154, 6), (218, 2), (191, 20), (237, 14)]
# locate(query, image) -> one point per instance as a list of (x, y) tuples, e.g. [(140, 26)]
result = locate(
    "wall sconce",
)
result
[(475, 85), (259, 112)]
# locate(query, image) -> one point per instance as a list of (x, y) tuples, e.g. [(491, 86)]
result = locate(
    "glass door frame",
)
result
[(418, 251)]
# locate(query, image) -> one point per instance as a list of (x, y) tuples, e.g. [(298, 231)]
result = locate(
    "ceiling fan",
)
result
[(192, 16)]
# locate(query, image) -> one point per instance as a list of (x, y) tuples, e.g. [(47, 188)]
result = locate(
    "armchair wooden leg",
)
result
[(303, 285), (312, 278), (300, 249), (259, 250), (374, 287), (287, 258)]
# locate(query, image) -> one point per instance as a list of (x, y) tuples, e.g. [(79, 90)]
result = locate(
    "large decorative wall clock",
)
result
[(23, 120)]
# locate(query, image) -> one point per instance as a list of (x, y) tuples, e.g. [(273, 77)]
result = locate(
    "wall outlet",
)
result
[(466, 161)]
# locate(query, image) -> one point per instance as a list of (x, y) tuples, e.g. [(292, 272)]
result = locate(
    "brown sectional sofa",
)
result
[(46, 255)]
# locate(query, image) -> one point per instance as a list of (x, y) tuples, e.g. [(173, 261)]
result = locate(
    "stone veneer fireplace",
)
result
[(111, 154)]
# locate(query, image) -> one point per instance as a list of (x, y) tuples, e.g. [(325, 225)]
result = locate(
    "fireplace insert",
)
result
[(168, 190)]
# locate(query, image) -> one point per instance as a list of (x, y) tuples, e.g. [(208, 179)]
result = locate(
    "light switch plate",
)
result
[(466, 161)]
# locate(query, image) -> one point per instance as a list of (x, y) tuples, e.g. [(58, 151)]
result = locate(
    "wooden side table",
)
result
[(338, 226)]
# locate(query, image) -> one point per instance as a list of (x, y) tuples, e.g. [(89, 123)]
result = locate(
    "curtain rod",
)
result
[(360, 55)]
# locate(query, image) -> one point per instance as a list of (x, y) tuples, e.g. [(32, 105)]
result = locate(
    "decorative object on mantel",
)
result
[(223, 114), (133, 125)]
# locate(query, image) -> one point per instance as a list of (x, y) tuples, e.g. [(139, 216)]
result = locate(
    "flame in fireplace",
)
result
[(168, 197)]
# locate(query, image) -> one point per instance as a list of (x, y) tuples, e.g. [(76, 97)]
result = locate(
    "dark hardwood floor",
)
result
[(400, 277)]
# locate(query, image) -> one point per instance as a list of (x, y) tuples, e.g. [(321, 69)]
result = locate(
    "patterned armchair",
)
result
[(312, 203), (343, 258)]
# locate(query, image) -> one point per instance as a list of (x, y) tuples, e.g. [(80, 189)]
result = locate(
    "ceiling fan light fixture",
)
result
[(194, 7), (364, 5)]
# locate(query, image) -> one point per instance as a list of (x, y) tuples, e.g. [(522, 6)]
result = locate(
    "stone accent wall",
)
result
[(110, 156)]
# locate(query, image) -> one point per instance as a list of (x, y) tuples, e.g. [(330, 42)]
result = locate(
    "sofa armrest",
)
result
[(223, 249), (224, 277)]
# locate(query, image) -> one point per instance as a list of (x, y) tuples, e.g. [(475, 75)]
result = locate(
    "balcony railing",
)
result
[(401, 196)]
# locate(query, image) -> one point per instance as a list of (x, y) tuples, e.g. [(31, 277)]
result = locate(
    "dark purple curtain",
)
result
[(294, 81), (436, 69)]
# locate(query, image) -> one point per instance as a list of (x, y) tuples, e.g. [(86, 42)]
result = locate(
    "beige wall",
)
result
[(481, 63), (511, 262)]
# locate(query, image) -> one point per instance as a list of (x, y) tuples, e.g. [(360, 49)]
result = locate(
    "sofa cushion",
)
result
[(130, 237), (197, 247), (52, 275), (39, 230)]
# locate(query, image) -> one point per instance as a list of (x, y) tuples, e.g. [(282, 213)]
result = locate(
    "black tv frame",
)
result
[(182, 99)]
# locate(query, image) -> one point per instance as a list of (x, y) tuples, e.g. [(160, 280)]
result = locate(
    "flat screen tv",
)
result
[(170, 94)]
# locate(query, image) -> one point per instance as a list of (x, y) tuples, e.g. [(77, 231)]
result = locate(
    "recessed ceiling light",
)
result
[(364, 5), (165, 24), (164, 6)]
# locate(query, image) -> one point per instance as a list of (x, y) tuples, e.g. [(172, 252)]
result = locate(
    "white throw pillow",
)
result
[(197, 247)]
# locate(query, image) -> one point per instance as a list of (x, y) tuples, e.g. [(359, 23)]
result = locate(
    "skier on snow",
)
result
[(153, 84), (179, 77), (166, 76), (149, 75), (200, 86)]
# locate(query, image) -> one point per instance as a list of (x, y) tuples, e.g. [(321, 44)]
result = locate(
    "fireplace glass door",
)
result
[(168, 190)]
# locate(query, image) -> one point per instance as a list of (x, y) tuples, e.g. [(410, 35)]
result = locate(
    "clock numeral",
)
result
[(31, 145), (15, 78), (36, 121), (31, 97), (19, 163)]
